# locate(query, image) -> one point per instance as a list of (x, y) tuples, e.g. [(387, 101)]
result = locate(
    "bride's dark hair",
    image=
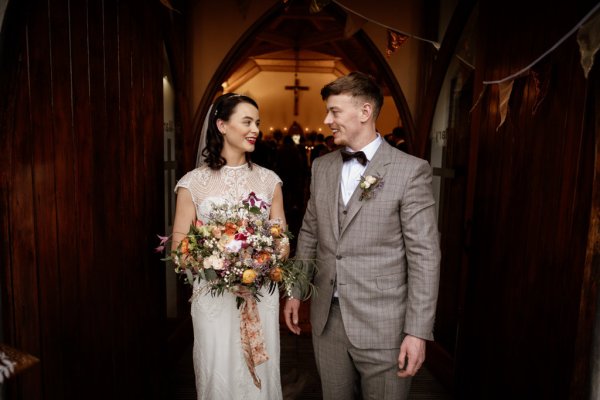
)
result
[(222, 109)]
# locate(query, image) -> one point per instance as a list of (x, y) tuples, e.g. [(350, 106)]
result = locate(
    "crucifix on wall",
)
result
[(296, 88)]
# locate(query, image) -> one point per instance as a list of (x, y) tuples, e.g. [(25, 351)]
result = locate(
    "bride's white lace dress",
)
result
[(220, 369)]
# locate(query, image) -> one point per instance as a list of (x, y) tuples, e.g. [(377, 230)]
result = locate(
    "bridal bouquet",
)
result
[(238, 250)]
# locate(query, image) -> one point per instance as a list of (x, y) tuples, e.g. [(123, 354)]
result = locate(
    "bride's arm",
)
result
[(277, 206), (185, 213)]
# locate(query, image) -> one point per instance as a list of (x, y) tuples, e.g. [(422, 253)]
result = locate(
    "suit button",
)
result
[(331, 282), (344, 212), (338, 257)]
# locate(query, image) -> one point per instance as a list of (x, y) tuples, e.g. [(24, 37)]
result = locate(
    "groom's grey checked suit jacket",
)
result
[(382, 253)]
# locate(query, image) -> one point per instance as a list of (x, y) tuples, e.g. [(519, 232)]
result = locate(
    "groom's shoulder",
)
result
[(328, 158), (401, 157)]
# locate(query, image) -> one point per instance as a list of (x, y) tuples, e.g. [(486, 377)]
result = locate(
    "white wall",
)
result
[(215, 28), (277, 105), (404, 16)]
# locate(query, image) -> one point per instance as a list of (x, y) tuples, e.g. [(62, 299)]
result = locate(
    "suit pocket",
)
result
[(388, 282), (386, 211)]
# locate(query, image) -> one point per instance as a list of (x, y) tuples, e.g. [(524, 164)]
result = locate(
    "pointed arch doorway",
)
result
[(290, 46)]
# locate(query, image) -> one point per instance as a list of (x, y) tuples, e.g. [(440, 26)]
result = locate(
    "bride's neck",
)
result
[(234, 160)]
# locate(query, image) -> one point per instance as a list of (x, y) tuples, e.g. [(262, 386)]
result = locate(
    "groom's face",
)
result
[(344, 119)]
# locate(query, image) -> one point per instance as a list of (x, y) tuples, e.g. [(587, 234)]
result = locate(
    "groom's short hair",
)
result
[(358, 85)]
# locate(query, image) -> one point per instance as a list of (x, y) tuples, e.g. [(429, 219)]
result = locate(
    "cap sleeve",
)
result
[(184, 182), (276, 178)]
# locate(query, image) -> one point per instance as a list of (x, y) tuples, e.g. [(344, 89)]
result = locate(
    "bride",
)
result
[(225, 173)]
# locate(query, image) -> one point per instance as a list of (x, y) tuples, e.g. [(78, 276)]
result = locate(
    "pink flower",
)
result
[(163, 240), (254, 201), (241, 236)]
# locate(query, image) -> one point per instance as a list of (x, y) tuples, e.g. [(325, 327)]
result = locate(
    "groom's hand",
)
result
[(290, 312), (412, 356)]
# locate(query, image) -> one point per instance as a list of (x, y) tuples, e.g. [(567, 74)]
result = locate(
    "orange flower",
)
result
[(276, 274), (262, 257), (276, 231), (230, 228), (185, 245), (248, 276)]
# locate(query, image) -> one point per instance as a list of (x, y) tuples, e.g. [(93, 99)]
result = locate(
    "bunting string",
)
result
[(550, 50), (432, 42)]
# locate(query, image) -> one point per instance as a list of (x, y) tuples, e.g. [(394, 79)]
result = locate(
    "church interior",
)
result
[(101, 110)]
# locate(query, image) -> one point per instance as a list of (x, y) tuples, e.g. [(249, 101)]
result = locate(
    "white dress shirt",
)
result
[(353, 170)]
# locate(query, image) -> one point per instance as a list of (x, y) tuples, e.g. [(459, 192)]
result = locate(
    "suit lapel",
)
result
[(333, 180), (376, 167)]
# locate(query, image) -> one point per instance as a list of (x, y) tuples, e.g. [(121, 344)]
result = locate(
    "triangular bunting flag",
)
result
[(505, 89), (317, 5), (167, 3), (395, 40), (588, 38)]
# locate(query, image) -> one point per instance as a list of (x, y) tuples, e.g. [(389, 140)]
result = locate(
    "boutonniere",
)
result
[(369, 185)]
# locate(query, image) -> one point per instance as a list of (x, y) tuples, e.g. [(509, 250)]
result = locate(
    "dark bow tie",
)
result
[(359, 155)]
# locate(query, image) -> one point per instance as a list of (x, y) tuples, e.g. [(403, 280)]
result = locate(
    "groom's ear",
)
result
[(366, 112)]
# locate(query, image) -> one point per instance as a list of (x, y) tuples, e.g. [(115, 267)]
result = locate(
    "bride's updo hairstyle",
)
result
[(222, 109)]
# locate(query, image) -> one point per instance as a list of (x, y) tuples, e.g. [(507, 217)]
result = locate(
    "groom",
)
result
[(371, 226)]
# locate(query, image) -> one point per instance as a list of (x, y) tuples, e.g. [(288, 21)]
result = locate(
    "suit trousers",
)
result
[(347, 372)]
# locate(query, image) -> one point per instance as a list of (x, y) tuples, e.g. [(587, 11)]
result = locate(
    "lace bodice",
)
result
[(229, 184)]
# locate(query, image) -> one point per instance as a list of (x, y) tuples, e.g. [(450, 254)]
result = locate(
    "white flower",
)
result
[(234, 246), (369, 184), (213, 262)]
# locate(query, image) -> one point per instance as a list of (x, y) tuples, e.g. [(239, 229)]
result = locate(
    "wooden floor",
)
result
[(299, 377)]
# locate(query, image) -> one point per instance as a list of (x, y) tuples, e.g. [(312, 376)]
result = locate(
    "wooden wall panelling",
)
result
[(32, 175), (99, 275), (55, 162), (477, 287), (151, 174), (77, 243), (525, 272), (81, 196), (120, 154), (582, 378), (13, 47)]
